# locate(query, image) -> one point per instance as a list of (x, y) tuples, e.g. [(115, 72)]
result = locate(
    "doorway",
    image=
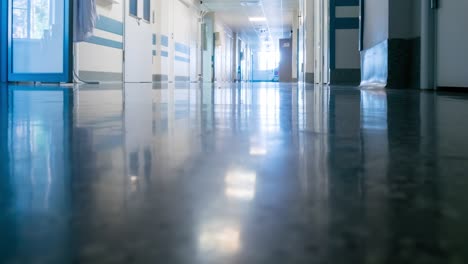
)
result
[(38, 40), (138, 42), (451, 43)]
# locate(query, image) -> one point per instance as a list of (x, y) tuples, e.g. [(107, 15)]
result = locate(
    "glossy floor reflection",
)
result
[(252, 173)]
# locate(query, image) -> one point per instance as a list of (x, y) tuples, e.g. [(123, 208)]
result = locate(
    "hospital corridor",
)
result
[(233, 131)]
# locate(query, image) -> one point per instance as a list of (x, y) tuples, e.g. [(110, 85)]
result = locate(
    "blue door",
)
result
[(39, 40), (3, 41)]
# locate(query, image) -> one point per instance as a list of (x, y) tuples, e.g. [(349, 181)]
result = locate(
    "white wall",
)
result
[(178, 23), (295, 41), (178, 58), (223, 51), (94, 57), (173, 20)]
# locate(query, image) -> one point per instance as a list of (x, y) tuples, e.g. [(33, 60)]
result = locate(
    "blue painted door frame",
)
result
[(3, 41), (7, 73)]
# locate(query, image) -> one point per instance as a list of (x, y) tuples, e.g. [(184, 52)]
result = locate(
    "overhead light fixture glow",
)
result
[(257, 19), (250, 3)]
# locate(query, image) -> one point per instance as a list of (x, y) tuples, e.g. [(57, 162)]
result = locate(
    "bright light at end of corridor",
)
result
[(258, 151), (257, 19), (224, 240)]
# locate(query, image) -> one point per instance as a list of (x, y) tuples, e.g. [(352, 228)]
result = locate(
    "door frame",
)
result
[(322, 34), (4, 42), (66, 75), (428, 68)]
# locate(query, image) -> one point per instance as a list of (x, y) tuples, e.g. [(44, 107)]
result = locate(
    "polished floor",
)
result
[(252, 173)]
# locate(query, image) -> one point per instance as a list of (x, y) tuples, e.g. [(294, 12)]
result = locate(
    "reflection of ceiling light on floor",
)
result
[(133, 178), (258, 151), (240, 184), (224, 240), (257, 19), (240, 193)]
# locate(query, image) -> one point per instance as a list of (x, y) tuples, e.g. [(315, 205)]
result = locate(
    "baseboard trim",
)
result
[(309, 77), (160, 77), (345, 76), (452, 89), (101, 76), (182, 78)]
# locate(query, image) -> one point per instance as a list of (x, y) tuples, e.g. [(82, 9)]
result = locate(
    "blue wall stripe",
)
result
[(347, 23), (178, 58), (179, 47), (105, 42), (164, 41), (164, 53), (110, 25), (154, 39)]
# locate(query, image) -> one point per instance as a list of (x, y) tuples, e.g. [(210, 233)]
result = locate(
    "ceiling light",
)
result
[(257, 19), (250, 2)]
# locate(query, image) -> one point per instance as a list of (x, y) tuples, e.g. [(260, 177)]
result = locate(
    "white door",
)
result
[(452, 44), (138, 41)]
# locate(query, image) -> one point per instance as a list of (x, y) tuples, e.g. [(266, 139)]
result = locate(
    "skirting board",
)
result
[(309, 77), (182, 78), (160, 78), (345, 76), (101, 76)]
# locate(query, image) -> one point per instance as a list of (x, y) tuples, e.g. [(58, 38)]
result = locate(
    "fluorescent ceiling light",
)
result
[(250, 3), (257, 19)]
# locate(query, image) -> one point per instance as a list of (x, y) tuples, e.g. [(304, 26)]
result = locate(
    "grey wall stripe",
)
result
[(309, 77), (154, 53), (101, 76), (160, 77), (182, 78), (154, 39)]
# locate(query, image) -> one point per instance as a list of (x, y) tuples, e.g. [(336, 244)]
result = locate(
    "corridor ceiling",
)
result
[(236, 13)]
